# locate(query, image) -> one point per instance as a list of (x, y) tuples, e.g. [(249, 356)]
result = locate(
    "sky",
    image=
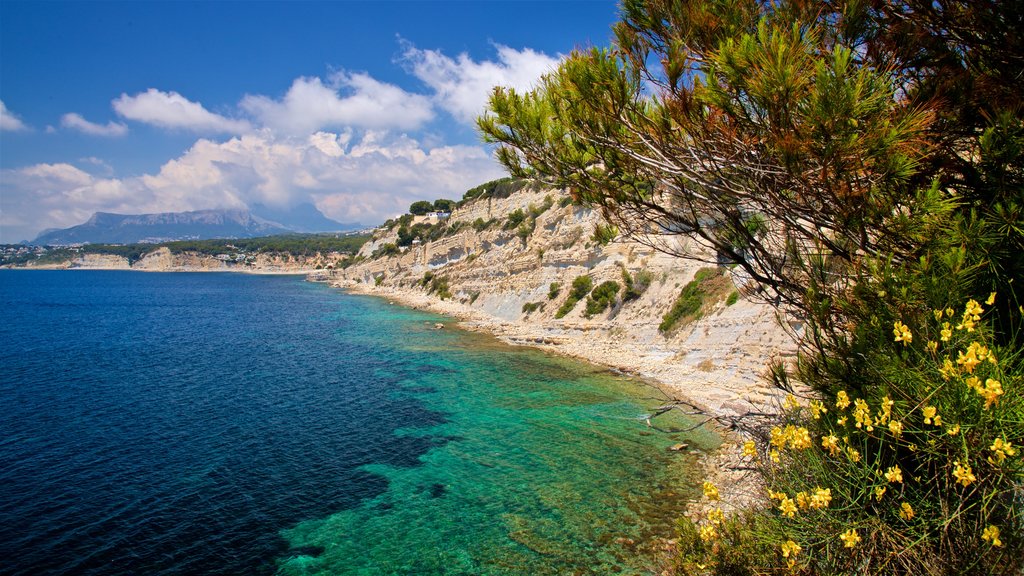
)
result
[(358, 107)]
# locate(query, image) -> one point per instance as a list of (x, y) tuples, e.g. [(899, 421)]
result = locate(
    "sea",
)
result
[(218, 423)]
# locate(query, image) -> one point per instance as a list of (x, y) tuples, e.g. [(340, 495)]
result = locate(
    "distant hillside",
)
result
[(107, 228)]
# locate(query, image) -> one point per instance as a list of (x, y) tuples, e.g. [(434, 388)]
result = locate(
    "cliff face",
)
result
[(163, 260), (500, 280)]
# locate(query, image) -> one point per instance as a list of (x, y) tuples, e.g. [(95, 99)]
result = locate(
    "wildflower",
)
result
[(992, 391), (896, 427), (799, 437), (906, 511), (894, 474), (974, 384), (938, 314), (972, 314), (947, 369), (946, 332), (791, 403), (831, 443), (932, 346), (802, 500), (707, 533), (778, 438), (710, 491), (929, 413), (749, 449), (902, 333), (774, 455), (787, 507), (963, 473), (991, 299), (950, 312), (879, 492), (991, 534), (776, 495), (854, 454), (716, 516), (842, 400), (841, 421), (821, 498), (790, 548), (850, 538), (953, 430), (862, 414), (817, 409), (1001, 449)]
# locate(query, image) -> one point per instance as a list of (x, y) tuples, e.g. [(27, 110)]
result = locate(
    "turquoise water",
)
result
[(228, 424)]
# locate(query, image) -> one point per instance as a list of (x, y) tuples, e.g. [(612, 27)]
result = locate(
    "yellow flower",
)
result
[(778, 439), (716, 516), (862, 414), (879, 492), (992, 391), (902, 332), (802, 500), (710, 491), (790, 548), (774, 455), (790, 402), (938, 314), (946, 332), (850, 538), (776, 495), (831, 443), (894, 474), (929, 413), (953, 430), (817, 409), (963, 473), (991, 299), (991, 534), (932, 346), (821, 498), (854, 454), (841, 421), (950, 312), (947, 369), (707, 533), (1001, 449), (749, 449), (886, 411), (799, 437), (896, 427), (842, 400), (974, 384), (787, 507), (906, 511)]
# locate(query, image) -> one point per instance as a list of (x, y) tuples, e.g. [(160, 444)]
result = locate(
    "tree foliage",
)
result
[(860, 163)]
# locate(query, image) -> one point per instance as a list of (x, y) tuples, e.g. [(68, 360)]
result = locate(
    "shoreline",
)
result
[(738, 487)]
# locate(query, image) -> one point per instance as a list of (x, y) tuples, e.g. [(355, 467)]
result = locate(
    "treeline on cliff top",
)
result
[(860, 165), (305, 245)]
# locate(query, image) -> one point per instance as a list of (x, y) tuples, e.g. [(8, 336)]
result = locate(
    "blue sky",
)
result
[(358, 107)]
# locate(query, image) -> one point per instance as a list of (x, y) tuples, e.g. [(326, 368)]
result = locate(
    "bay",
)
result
[(233, 424)]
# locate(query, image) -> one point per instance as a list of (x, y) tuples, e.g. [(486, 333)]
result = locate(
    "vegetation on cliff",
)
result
[(859, 163)]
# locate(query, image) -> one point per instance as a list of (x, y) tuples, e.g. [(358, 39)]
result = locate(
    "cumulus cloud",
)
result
[(9, 122), (366, 177), (77, 122), (461, 85), (310, 105), (172, 110)]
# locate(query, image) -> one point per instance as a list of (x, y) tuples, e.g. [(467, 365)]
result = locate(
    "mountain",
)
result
[(107, 228), (302, 218)]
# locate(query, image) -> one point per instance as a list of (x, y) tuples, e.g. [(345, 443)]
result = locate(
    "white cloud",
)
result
[(77, 122), (462, 86), (309, 105), (9, 122), (172, 110), (364, 178)]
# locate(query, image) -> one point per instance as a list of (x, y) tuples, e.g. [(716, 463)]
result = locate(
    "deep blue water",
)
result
[(233, 424)]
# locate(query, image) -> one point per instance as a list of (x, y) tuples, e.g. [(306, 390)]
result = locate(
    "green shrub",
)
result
[(378, 280), (734, 297), (604, 233), (689, 302), (564, 201), (388, 249), (635, 286), (473, 296), (427, 277), (530, 307), (580, 288), (601, 298), (515, 218), (553, 290), (439, 286)]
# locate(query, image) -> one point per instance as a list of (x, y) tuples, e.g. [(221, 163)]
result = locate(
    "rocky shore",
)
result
[(510, 284)]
